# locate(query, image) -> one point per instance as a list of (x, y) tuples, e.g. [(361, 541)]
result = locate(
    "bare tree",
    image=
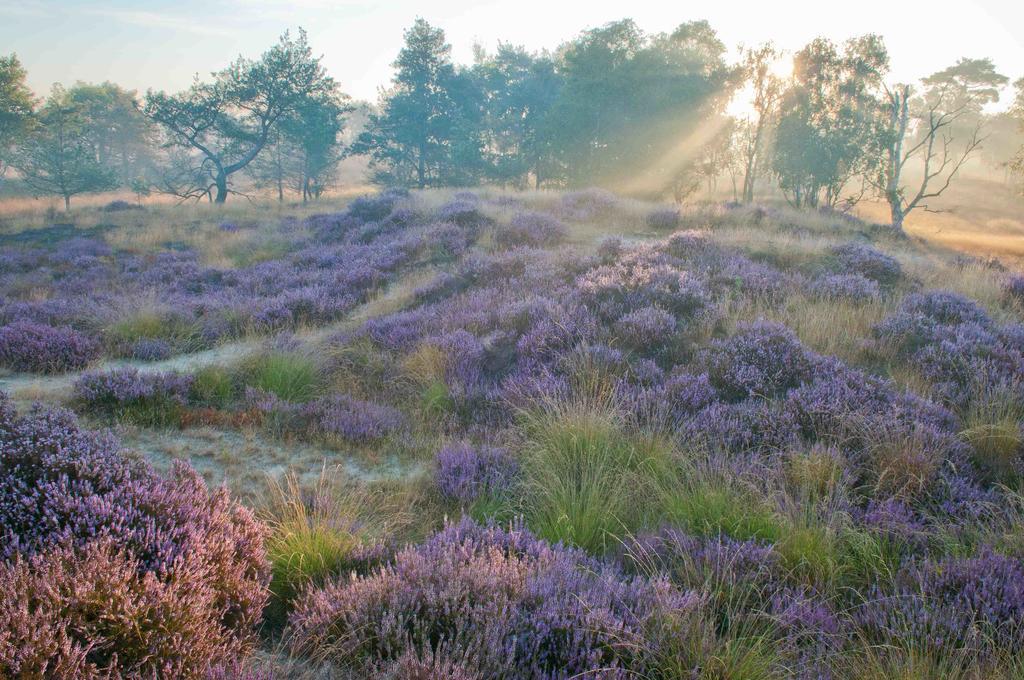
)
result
[(925, 138), (767, 88)]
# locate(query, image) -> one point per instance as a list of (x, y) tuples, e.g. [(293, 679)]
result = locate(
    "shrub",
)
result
[(857, 258), (648, 330), (151, 350), (973, 606), (663, 219), (39, 348), (114, 567), (853, 287), (501, 602), (464, 214), (288, 375), (466, 473), (121, 206), (531, 229), (587, 204), (1013, 288), (761, 359), (372, 208), (333, 417), (145, 398)]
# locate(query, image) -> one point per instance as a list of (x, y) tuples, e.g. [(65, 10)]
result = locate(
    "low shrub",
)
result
[(761, 359), (531, 229), (39, 348), (858, 258), (127, 394), (499, 601), (114, 570), (647, 330), (853, 287), (466, 473), (663, 219)]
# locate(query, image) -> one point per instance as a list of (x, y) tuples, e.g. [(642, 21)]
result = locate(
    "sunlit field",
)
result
[(550, 347)]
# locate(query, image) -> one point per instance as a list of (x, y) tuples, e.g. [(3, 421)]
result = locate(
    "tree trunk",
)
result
[(222, 189), (67, 203)]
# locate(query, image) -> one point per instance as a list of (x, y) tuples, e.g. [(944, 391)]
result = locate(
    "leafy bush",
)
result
[(116, 570), (39, 348), (144, 398), (648, 330)]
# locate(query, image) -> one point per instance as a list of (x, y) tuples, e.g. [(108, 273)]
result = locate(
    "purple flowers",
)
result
[(761, 359), (504, 602), (91, 538), (858, 258), (153, 398), (39, 348), (531, 229), (647, 330), (663, 219), (852, 287), (466, 473)]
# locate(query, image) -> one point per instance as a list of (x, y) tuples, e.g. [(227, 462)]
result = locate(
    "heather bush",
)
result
[(150, 350), (464, 214), (853, 287), (531, 229), (663, 219), (501, 602), (858, 258), (39, 348), (467, 473), (972, 606), (117, 569), (333, 418), (1013, 288), (372, 208), (761, 359), (127, 394), (647, 330)]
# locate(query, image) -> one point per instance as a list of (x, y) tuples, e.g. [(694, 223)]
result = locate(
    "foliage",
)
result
[(40, 348)]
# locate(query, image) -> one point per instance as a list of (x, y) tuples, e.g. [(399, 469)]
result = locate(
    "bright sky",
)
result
[(162, 44)]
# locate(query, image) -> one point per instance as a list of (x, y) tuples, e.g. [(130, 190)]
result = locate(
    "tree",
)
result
[(57, 157), (631, 103), (114, 127), (16, 105), (1017, 164), (520, 90), (929, 132), (829, 130), (228, 121), (767, 90), (304, 148), (428, 131)]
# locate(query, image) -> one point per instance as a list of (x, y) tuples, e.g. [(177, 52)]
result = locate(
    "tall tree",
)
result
[(113, 125), (928, 134), (427, 133), (57, 158), (519, 89), (758, 68), (228, 121), (631, 103), (829, 130), (16, 105)]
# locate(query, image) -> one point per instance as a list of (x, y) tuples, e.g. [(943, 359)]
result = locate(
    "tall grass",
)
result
[(289, 375), (589, 481)]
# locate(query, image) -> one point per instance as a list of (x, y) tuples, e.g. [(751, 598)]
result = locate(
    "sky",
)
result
[(162, 44)]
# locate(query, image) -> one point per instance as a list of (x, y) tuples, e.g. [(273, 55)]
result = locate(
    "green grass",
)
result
[(589, 482), (711, 506), (213, 386), (148, 324), (291, 376)]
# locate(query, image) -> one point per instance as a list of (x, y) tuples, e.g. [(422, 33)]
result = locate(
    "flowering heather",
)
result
[(1013, 288), (973, 605), (753, 426), (647, 330), (337, 416), (531, 229), (151, 349), (465, 473), (501, 601), (858, 258), (761, 359), (852, 287), (663, 219), (39, 348), (587, 203), (464, 214), (162, 555), (151, 397)]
